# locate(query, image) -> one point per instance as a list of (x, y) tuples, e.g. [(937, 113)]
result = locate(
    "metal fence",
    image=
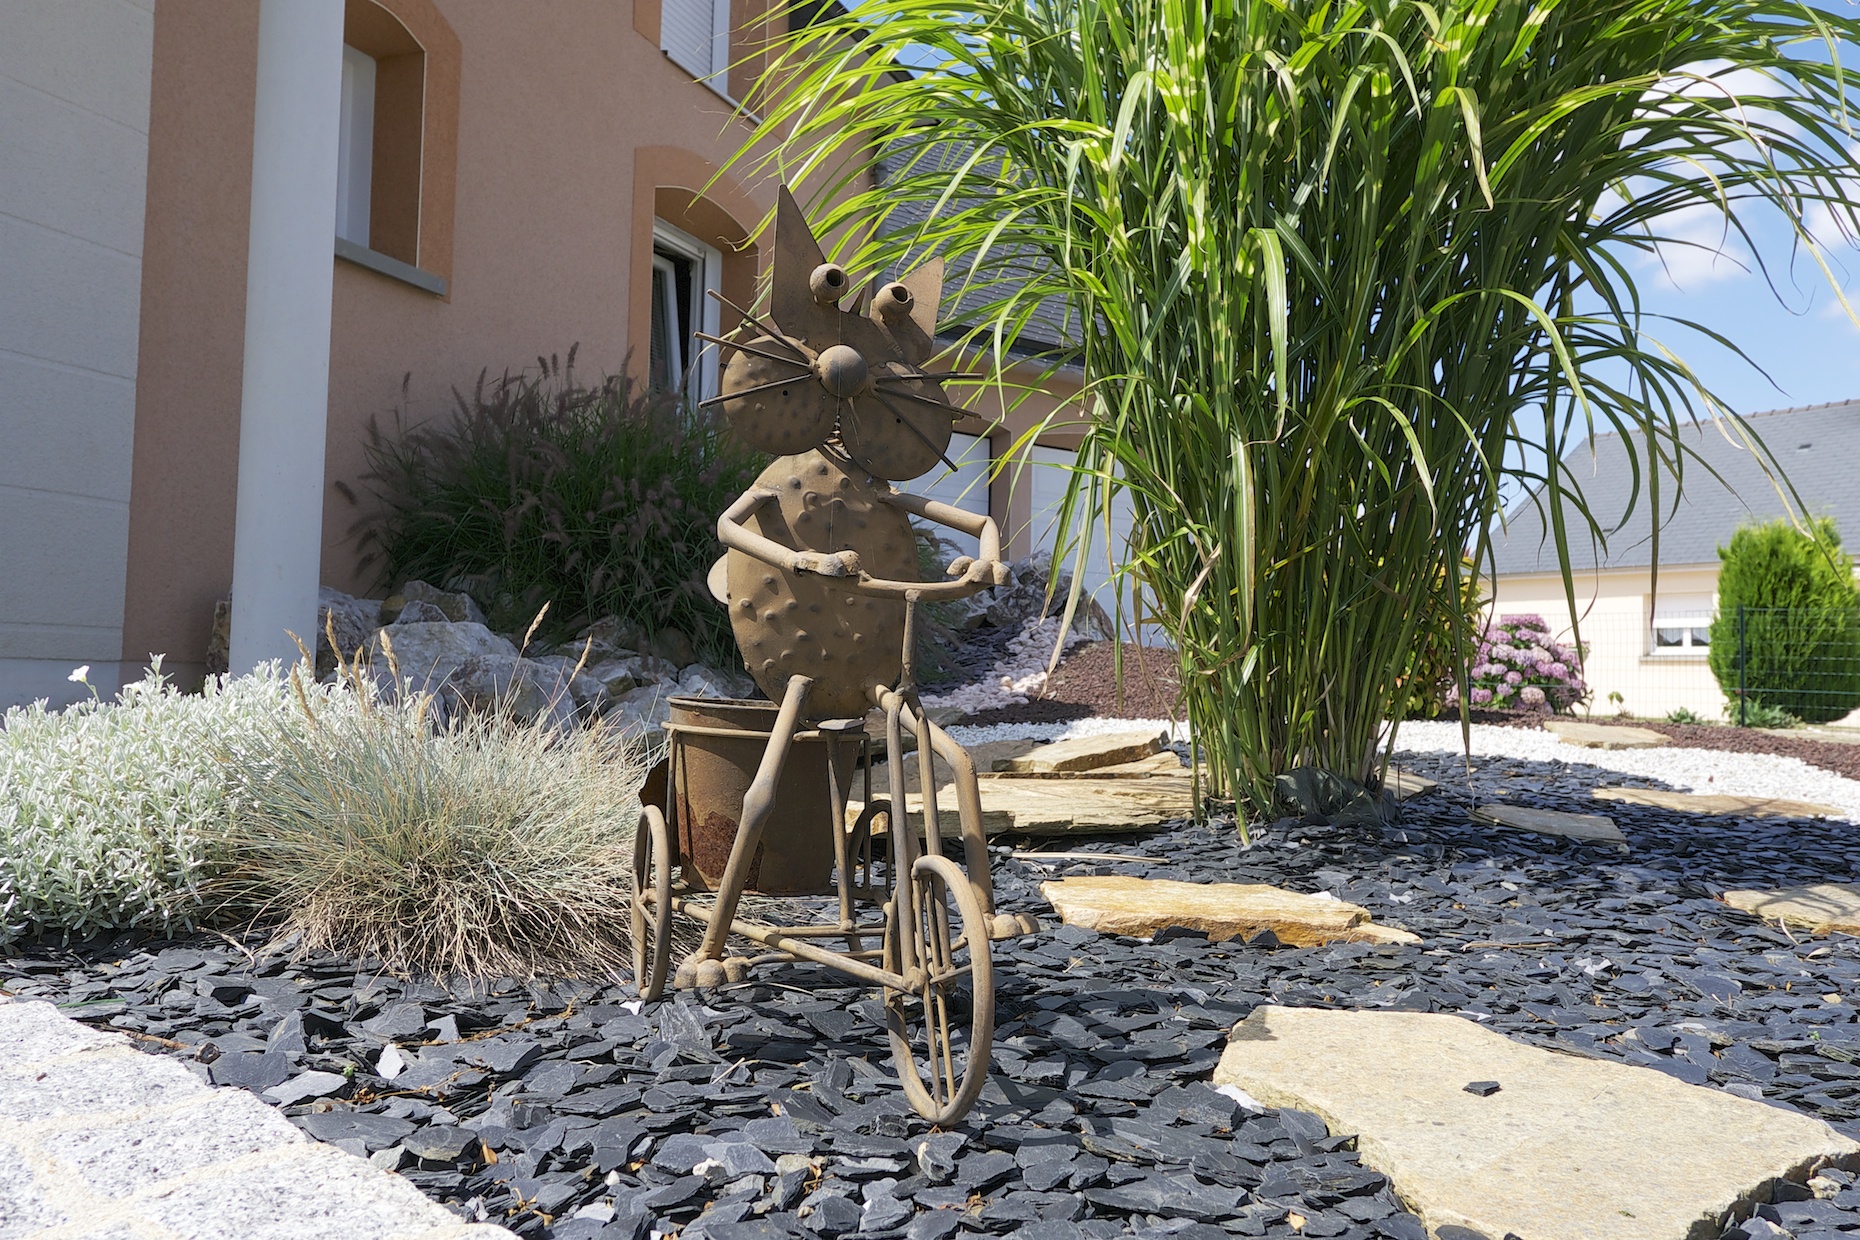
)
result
[(1636, 661), (1802, 661)]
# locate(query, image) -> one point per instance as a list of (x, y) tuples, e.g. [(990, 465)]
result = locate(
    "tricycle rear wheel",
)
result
[(651, 918)]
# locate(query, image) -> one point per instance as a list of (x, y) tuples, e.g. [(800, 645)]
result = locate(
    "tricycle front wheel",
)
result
[(942, 1067)]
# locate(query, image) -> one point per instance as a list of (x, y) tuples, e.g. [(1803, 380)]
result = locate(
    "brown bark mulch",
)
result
[(1828, 755), (1084, 685)]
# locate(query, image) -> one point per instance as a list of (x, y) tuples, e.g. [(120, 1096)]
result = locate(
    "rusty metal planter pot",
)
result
[(716, 746)]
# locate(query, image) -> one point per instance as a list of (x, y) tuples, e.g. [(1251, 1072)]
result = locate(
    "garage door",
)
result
[(966, 487), (1049, 477)]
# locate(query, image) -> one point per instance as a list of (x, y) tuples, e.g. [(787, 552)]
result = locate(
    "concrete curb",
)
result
[(100, 1140)]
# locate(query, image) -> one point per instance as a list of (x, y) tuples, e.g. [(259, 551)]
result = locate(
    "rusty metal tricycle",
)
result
[(821, 580)]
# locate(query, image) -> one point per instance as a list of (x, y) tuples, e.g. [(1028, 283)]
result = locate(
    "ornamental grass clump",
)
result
[(594, 499), (1331, 273), (488, 847), (1519, 666)]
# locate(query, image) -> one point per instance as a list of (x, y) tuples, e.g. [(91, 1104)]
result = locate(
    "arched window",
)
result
[(397, 143), (690, 240)]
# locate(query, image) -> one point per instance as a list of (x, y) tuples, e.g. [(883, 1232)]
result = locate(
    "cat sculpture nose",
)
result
[(843, 370)]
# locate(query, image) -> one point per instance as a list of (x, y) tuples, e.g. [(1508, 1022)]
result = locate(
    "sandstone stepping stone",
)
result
[(1083, 753), (1046, 807), (1592, 827), (1165, 763), (1823, 907), (1718, 803), (1143, 906), (1606, 736), (1157, 766), (1059, 807), (1403, 785), (1567, 1148)]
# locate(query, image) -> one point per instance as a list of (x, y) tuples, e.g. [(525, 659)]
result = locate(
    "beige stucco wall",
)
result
[(572, 130), (74, 121), (1614, 612)]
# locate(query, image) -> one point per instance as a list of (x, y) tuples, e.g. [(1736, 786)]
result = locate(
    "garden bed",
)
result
[(1085, 685), (1098, 1122)]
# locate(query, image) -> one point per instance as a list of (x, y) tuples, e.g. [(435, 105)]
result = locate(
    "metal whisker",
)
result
[(944, 405), (914, 429), (936, 376), (749, 391), (762, 325), (751, 350)]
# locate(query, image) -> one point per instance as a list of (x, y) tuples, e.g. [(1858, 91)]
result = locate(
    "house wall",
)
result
[(543, 161), (1614, 612), (74, 124), (564, 148)]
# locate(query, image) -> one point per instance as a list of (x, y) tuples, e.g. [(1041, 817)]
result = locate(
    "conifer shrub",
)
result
[(1800, 641)]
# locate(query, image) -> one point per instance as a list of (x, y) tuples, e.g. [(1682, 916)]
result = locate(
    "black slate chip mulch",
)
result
[(768, 1110)]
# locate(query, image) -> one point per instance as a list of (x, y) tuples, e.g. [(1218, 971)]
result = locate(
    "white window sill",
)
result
[(392, 268), (1691, 654)]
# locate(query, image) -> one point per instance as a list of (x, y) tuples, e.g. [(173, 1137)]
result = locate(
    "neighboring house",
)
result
[(1650, 646), (510, 180)]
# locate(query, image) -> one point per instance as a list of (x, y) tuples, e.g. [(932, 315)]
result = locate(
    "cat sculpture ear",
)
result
[(907, 307)]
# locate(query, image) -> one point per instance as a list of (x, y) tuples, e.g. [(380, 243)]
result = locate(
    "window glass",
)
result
[(682, 269), (671, 320), (355, 155), (1048, 474)]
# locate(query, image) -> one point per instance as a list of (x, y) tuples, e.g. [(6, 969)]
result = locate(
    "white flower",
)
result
[(80, 675)]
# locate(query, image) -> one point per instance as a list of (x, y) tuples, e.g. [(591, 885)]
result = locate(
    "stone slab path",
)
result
[(1040, 807), (1594, 828), (1823, 907), (1083, 753), (1566, 1148), (1717, 803), (1405, 785), (1606, 736), (100, 1140), (1139, 907)]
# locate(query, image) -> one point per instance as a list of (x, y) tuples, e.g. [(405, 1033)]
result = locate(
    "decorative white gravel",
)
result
[(1018, 673), (1688, 770), (970, 734)]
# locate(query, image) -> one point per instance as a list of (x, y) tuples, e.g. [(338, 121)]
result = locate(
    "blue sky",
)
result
[(1797, 332)]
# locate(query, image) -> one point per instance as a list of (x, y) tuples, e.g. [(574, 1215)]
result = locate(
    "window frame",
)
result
[(1689, 616), (699, 357)]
